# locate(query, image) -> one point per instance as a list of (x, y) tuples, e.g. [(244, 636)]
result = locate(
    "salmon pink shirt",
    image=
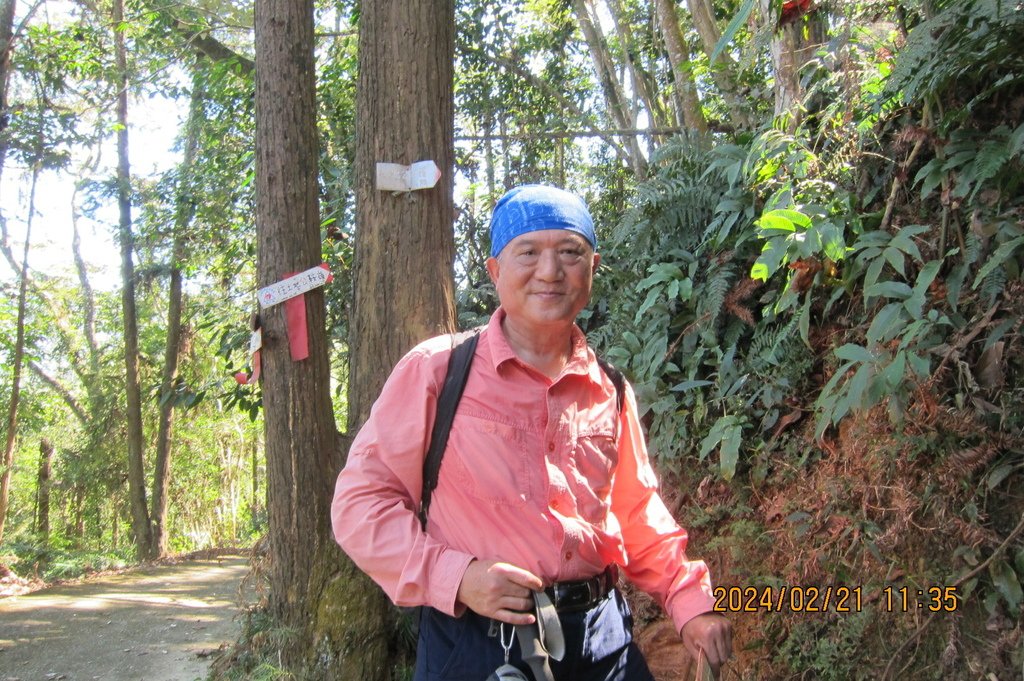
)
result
[(542, 473)]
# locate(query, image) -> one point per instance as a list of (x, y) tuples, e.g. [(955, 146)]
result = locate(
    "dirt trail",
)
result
[(153, 624)]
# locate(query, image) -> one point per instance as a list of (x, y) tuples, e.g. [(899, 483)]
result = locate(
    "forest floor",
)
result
[(158, 623)]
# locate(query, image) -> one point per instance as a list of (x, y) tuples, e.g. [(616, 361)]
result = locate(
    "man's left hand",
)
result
[(711, 633)]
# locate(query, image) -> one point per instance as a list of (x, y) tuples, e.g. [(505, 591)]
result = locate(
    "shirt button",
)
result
[(568, 555), (551, 446)]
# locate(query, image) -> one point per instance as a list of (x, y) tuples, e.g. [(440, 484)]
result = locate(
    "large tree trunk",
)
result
[(404, 288), (133, 392), (793, 45), (404, 280), (300, 434), (7, 463)]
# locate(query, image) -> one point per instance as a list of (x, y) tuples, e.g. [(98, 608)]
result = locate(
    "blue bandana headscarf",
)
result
[(533, 207)]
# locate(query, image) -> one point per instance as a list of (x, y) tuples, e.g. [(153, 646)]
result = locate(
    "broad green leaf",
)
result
[(730, 451), (852, 352), (771, 224), (889, 289), (729, 34), (1004, 579), (895, 257), (921, 366), (892, 375), (690, 385), (886, 324)]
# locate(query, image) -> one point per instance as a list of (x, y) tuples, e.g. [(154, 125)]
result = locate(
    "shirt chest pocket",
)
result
[(594, 458), (488, 461)]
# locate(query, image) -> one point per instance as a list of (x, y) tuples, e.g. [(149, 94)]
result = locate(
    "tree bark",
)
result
[(300, 434), (618, 108), (6, 47), (691, 114), (42, 524), (404, 289), (642, 85), (403, 277), (133, 392), (184, 211), (7, 463), (723, 71), (793, 45)]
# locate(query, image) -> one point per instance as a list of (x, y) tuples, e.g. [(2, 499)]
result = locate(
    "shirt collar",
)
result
[(582, 361)]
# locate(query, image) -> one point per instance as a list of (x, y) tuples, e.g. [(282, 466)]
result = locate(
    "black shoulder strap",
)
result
[(451, 392), (618, 380)]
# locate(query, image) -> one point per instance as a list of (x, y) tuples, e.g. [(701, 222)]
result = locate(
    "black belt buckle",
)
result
[(580, 595)]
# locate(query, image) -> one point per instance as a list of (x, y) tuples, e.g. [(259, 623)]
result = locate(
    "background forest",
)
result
[(811, 216)]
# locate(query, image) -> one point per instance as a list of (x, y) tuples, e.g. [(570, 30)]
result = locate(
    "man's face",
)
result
[(543, 278)]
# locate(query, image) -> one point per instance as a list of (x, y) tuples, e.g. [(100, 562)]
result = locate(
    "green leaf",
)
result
[(732, 29), (805, 320), (892, 375), (886, 324), (730, 451), (652, 297), (921, 366), (852, 352), (690, 385), (997, 258), (895, 258), (1006, 583), (998, 474), (889, 289)]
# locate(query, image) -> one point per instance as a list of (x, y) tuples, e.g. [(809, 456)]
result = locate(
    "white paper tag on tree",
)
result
[(395, 177), (293, 286)]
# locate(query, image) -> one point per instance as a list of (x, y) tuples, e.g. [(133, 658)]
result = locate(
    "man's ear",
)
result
[(597, 261), (493, 269)]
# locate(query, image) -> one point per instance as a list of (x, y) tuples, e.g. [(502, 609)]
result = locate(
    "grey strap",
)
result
[(542, 639)]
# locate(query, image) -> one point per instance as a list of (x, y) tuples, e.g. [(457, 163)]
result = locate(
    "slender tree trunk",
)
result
[(184, 212), (618, 107), (6, 47), (723, 71), (642, 85), (691, 113), (133, 392), (301, 437), (7, 464), (42, 524)]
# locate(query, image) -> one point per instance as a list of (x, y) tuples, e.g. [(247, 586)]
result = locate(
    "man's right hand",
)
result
[(500, 591)]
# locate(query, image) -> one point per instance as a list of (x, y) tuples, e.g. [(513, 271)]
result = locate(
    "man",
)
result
[(545, 483)]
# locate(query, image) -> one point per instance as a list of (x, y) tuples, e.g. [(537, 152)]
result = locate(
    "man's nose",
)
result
[(549, 267)]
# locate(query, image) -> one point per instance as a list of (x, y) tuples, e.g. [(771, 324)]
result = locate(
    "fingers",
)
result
[(711, 634), (518, 575), (499, 590)]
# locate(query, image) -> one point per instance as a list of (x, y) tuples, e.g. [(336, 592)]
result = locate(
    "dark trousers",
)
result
[(598, 642)]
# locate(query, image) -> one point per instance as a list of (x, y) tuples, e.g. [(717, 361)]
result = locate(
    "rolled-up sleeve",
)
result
[(655, 545), (373, 512)]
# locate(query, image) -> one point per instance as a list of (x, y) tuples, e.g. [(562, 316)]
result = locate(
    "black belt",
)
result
[(584, 593)]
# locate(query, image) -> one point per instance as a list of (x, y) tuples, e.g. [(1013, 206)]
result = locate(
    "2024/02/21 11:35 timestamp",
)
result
[(839, 599)]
